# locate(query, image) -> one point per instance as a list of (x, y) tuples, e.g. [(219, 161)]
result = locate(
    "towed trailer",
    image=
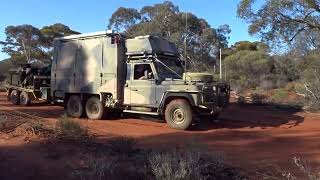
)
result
[(27, 84)]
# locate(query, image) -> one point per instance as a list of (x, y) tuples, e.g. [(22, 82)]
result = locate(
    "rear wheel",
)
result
[(25, 99), (74, 106), (178, 114), (94, 108), (15, 97)]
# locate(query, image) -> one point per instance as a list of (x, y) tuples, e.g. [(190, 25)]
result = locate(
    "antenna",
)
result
[(220, 64), (185, 48)]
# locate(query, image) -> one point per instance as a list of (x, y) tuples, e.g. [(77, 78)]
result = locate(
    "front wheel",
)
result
[(178, 114), (74, 107), (94, 108), (15, 97)]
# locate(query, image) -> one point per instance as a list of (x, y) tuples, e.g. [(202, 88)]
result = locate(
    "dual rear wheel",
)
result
[(18, 97), (77, 108)]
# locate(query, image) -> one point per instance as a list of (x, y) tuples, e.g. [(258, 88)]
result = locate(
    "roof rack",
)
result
[(87, 35)]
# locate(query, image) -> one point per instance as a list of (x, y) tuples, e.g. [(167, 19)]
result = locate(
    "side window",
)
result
[(128, 72), (141, 70)]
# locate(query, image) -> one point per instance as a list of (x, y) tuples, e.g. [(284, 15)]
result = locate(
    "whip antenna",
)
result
[(185, 48)]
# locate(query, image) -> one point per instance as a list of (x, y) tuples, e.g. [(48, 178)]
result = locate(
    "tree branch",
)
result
[(308, 90)]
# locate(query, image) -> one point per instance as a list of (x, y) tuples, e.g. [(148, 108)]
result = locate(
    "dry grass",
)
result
[(300, 170), (16, 124), (69, 129), (120, 158)]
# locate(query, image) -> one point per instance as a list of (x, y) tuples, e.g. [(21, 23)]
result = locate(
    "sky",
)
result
[(91, 16)]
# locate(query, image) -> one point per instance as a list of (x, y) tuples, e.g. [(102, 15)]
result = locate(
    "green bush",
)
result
[(67, 128), (280, 95), (309, 84), (258, 98), (245, 68)]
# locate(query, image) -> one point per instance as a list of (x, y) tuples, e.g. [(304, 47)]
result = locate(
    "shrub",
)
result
[(38, 128), (96, 169), (300, 170), (309, 84), (267, 84), (258, 98), (241, 100), (67, 128), (246, 67), (123, 146), (280, 95), (178, 165)]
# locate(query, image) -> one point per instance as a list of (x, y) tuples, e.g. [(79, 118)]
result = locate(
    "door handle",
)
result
[(134, 89)]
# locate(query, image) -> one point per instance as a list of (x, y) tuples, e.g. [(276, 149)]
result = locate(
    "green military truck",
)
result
[(97, 72)]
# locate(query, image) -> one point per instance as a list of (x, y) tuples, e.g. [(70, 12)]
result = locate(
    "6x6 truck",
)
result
[(98, 72)]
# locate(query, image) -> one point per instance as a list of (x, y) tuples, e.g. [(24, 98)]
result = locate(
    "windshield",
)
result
[(164, 72)]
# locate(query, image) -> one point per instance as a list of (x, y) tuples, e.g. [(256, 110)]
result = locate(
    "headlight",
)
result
[(214, 88)]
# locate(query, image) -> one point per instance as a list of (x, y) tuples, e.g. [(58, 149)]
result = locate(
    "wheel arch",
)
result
[(169, 96)]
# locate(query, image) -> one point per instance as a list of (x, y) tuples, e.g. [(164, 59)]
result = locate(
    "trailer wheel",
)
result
[(15, 97), (74, 107), (178, 114), (94, 108), (24, 98)]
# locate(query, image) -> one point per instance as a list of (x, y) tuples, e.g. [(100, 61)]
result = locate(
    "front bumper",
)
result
[(215, 101)]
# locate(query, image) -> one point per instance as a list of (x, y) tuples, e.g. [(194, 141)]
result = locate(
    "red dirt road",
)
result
[(250, 136)]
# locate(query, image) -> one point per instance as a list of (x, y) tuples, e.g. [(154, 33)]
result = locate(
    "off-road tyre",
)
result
[(178, 114), (25, 99), (74, 107), (15, 97), (94, 108)]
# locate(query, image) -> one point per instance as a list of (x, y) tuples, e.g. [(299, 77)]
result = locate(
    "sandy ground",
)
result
[(251, 137)]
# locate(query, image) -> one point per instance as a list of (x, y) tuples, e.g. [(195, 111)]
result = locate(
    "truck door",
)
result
[(142, 86)]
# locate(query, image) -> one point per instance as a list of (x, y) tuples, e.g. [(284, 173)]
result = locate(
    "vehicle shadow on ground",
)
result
[(251, 116), (234, 117)]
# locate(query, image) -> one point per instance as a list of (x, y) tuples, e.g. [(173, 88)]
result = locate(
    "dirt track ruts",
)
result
[(249, 136)]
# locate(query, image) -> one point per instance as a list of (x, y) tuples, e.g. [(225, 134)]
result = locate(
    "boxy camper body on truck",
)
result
[(88, 65), (95, 72)]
